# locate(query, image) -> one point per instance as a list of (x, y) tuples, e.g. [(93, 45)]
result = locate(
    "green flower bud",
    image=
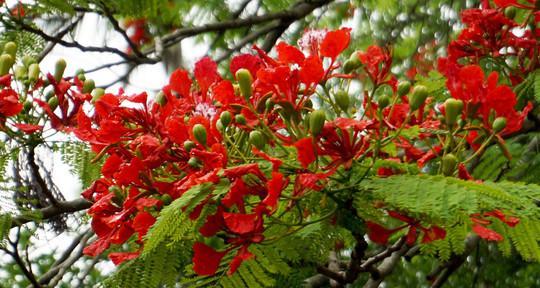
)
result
[(199, 132), (27, 106), (257, 139), (188, 145), (33, 72), (449, 163), (240, 119), (160, 98), (219, 126), (418, 97), (81, 77), (20, 72), (452, 108), (244, 81), (510, 12), (59, 69), (403, 88), (384, 101), (97, 93), (53, 102), (11, 49), (88, 86), (28, 60), (316, 121), (342, 100), (194, 162), (166, 199), (352, 63), (499, 124), (6, 61), (226, 118)]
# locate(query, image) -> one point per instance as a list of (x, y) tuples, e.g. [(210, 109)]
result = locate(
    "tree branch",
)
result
[(54, 210)]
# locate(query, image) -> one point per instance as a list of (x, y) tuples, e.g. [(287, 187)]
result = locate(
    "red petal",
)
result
[(28, 128), (213, 224), (311, 71), (206, 73), (412, 235), (434, 233), (224, 93), (97, 247), (180, 82), (111, 165), (335, 42), (240, 223), (378, 233), (306, 151), (275, 186), (242, 255), (400, 217), (119, 257), (205, 259), (247, 61), (142, 222), (289, 54), (486, 233)]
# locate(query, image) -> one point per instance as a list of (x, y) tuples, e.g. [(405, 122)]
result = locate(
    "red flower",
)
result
[(142, 222), (119, 257), (180, 82), (335, 42), (306, 151), (205, 259), (378, 233), (486, 233), (9, 103), (206, 74), (28, 128)]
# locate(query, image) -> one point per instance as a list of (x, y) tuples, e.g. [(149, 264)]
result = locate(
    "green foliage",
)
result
[(449, 202), (5, 226), (79, 157)]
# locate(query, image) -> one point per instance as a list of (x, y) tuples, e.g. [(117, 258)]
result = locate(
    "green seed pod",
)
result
[(240, 119), (88, 86), (418, 97), (352, 63), (452, 108), (384, 101), (403, 88), (97, 93), (194, 162), (342, 100), (244, 81), (28, 60), (53, 102), (226, 118), (257, 139), (499, 124), (316, 121), (510, 12), (188, 145), (33, 72), (199, 132), (166, 199), (11, 49), (6, 61), (20, 72), (449, 163), (59, 69)]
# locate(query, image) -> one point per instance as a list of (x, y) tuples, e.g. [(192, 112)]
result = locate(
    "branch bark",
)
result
[(54, 210)]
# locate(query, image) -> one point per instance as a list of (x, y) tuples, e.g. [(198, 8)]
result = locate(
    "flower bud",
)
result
[(384, 101), (28, 60), (53, 102), (6, 61), (499, 124), (160, 98), (225, 118), (166, 199), (316, 121), (194, 162), (59, 69), (342, 100), (188, 145), (11, 49), (20, 72), (352, 63), (240, 119), (219, 126), (97, 93), (199, 132), (403, 88), (88, 86), (510, 12), (452, 109), (418, 97), (244, 81), (33, 72), (257, 139), (449, 163)]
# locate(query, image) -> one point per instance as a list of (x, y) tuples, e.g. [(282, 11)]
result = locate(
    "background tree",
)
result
[(153, 33)]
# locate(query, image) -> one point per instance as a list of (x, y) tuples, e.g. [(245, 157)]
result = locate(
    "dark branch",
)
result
[(117, 28), (54, 210)]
